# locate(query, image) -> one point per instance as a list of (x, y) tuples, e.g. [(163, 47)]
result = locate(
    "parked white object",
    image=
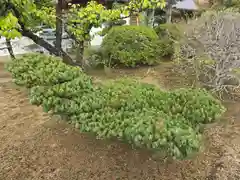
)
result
[(186, 5), (97, 39)]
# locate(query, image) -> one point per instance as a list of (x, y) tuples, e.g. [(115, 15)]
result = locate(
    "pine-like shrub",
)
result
[(134, 112), (120, 109), (125, 109), (196, 106), (38, 69), (131, 46)]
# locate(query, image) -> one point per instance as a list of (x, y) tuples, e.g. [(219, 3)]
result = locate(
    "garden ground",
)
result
[(36, 146)]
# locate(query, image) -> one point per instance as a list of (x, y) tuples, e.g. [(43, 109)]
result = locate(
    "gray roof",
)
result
[(186, 5)]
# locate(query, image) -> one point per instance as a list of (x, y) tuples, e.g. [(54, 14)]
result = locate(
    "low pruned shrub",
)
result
[(126, 109), (38, 69), (131, 46)]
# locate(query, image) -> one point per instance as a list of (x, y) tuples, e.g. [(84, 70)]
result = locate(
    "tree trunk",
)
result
[(151, 18), (79, 53), (169, 13), (148, 17), (41, 42), (145, 18), (10, 49), (59, 25), (79, 45)]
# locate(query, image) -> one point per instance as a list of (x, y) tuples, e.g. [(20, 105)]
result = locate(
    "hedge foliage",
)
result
[(138, 113), (37, 69), (131, 46), (168, 34)]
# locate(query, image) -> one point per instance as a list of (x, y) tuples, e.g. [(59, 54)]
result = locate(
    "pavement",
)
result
[(25, 45)]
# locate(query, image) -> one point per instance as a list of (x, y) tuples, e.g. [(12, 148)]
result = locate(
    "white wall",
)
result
[(97, 39)]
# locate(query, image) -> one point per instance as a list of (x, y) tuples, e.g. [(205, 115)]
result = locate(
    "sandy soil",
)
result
[(35, 146)]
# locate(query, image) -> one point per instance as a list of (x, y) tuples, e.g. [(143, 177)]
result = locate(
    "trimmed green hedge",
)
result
[(131, 46), (38, 69), (138, 113)]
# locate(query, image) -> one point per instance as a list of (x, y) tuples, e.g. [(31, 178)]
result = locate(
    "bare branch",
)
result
[(215, 37)]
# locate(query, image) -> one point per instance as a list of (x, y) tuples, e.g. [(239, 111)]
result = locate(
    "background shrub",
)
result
[(168, 34), (209, 54), (131, 46)]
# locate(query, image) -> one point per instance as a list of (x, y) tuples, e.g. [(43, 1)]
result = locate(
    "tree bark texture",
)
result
[(40, 41), (10, 49), (59, 25)]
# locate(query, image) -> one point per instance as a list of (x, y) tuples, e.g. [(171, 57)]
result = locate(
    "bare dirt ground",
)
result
[(34, 146)]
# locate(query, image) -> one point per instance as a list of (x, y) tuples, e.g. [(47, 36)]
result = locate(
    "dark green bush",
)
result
[(131, 111), (168, 34), (137, 113), (131, 46), (39, 69), (236, 4), (196, 106), (120, 109)]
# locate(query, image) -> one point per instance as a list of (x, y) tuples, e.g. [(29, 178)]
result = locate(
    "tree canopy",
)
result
[(19, 18)]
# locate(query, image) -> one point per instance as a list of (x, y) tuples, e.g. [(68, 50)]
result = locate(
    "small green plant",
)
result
[(125, 109), (168, 34), (94, 57), (131, 46)]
